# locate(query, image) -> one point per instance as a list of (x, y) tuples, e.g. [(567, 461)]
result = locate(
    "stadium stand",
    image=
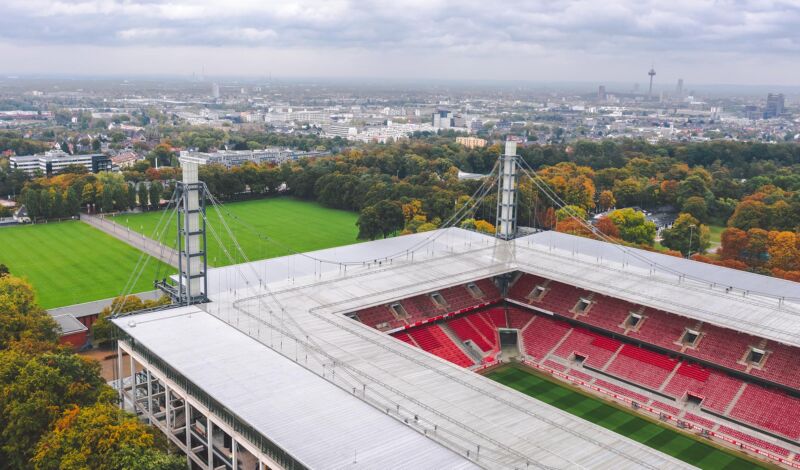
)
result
[(663, 406), (715, 390), (706, 423), (431, 338), (609, 313), (621, 390), (594, 348), (580, 375), (555, 366), (723, 347), (542, 335), (642, 366), (754, 441), (661, 329), (768, 409), (518, 318), (781, 365), (465, 330), (379, 317), (496, 317)]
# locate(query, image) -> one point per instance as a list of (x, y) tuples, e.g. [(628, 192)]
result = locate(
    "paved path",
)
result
[(134, 239)]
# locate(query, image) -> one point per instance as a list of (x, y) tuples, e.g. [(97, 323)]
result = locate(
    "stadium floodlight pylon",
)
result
[(190, 196), (507, 193)]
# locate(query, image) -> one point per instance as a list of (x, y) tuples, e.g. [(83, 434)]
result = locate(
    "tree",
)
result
[(696, 207), (390, 214), (142, 195), (36, 388), (4, 270), (103, 436), (568, 212), (784, 251), (155, 191), (607, 227), (748, 214), (485, 227), (369, 224), (72, 203), (633, 226), (20, 316), (734, 244), (686, 235), (607, 200), (107, 199)]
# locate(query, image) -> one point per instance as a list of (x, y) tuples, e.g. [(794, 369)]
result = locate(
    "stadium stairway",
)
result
[(473, 351)]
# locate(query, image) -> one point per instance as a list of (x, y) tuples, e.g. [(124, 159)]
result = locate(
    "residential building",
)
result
[(53, 162), (471, 142)]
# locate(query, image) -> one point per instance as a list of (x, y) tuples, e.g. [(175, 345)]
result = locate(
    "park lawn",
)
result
[(298, 225), (662, 438), (715, 234), (71, 262)]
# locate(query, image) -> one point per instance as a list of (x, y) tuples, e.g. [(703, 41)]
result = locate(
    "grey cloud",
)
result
[(754, 26)]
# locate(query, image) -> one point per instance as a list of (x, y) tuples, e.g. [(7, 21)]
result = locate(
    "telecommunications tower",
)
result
[(652, 74)]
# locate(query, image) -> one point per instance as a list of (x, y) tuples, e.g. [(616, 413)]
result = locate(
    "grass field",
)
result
[(662, 438), (70, 262), (299, 225)]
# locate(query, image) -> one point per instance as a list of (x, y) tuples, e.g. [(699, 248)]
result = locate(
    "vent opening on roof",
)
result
[(438, 299), (398, 310), (690, 337), (537, 293), (474, 290), (582, 306), (756, 356), (633, 320)]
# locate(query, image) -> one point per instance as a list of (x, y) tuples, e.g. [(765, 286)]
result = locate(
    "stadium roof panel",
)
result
[(315, 421), (302, 313)]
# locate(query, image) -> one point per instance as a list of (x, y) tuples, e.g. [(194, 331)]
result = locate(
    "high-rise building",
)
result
[(215, 90), (775, 104), (601, 93), (679, 88)]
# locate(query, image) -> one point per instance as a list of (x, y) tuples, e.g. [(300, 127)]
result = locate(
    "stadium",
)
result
[(426, 351)]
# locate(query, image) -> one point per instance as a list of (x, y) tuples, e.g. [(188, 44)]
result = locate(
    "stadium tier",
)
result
[(575, 337)]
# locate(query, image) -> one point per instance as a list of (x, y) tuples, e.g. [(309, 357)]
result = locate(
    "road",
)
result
[(134, 239)]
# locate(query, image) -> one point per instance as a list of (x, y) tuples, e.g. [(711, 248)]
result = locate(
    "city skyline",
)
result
[(737, 43)]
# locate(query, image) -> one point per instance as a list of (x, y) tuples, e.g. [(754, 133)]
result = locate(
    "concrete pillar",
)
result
[(507, 193)]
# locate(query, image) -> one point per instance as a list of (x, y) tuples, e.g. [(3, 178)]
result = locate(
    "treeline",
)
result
[(413, 185), (64, 195), (57, 412)]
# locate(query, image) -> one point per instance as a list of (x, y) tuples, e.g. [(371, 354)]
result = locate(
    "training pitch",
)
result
[(662, 438), (264, 228), (71, 262)]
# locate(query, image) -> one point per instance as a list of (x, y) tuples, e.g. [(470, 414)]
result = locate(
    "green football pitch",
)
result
[(662, 438), (71, 262), (264, 228)]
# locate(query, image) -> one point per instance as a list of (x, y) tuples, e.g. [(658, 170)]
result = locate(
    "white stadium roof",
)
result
[(298, 335)]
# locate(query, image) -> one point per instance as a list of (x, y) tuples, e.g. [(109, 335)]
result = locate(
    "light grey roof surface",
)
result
[(752, 304), (317, 422), (69, 324), (301, 317)]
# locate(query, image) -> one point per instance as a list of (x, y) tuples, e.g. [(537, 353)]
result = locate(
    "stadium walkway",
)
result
[(134, 239)]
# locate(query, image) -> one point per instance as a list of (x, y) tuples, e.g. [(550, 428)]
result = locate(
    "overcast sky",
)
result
[(732, 42)]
